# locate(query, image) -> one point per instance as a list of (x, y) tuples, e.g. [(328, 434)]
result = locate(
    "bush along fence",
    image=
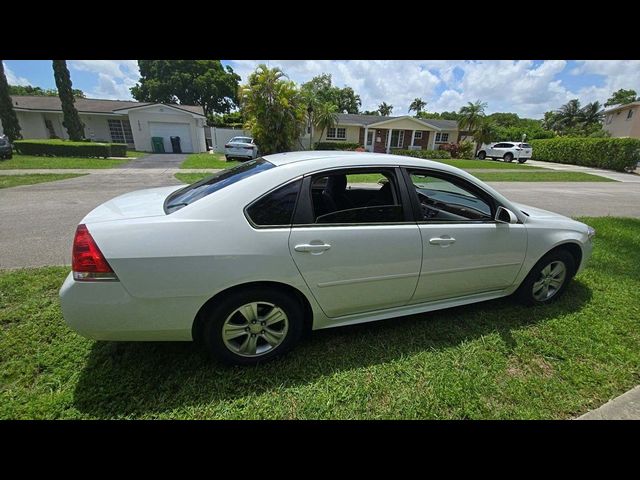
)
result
[(64, 148), (426, 154), (621, 154)]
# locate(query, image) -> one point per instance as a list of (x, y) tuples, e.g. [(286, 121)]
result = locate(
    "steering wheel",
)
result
[(427, 206)]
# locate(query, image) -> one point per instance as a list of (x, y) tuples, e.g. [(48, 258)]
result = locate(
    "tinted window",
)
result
[(217, 181), (2, 142), (368, 196), (277, 207), (443, 200), (525, 145)]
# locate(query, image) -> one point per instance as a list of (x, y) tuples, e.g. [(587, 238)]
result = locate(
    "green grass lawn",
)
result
[(486, 164), (207, 160), (548, 176), (8, 181), (31, 162), (496, 359), (135, 154)]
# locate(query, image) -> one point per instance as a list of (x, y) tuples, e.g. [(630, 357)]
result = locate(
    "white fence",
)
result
[(217, 137)]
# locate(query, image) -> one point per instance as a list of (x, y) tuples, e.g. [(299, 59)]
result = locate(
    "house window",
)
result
[(397, 138), (442, 137), (418, 136), (337, 133), (120, 131), (629, 114)]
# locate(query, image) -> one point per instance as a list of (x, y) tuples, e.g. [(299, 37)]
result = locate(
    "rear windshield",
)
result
[(525, 145), (240, 140), (217, 181)]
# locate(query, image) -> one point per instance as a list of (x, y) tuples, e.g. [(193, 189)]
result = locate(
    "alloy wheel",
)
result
[(255, 329), (550, 281)]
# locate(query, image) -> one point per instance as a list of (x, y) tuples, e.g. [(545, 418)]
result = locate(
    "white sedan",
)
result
[(248, 259), (242, 148)]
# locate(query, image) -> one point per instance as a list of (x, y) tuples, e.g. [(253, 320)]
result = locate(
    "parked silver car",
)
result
[(6, 151), (241, 148), (508, 151)]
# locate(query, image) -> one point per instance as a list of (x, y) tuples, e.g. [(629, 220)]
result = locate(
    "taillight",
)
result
[(87, 261)]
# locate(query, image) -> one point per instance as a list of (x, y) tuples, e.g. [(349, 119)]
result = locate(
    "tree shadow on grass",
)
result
[(123, 379)]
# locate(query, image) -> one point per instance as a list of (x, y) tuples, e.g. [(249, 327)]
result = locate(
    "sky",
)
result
[(526, 87)]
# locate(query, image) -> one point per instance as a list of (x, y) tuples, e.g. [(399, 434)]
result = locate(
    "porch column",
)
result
[(366, 132), (413, 138), (389, 140), (432, 140)]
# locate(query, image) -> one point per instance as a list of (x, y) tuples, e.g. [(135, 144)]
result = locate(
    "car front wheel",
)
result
[(482, 155), (253, 326), (547, 279)]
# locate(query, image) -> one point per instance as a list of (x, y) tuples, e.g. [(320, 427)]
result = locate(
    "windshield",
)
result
[(240, 140), (217, 181)]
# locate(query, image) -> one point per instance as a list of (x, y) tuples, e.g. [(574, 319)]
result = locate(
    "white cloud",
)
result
[(114, 77), (12, 78)]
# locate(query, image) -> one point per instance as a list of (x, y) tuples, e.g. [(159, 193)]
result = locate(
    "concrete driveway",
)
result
[(156, 160), (38, 221)]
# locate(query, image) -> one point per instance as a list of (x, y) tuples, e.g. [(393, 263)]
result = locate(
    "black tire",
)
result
[(227, 158), (525, 295), (482, 155), (522, 160), (218, 314), (508, 157)]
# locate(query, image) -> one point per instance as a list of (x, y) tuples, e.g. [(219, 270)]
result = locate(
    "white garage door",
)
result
[(167, 130)]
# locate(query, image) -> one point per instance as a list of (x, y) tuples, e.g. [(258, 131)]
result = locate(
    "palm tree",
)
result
[(568, 115), (471, 116), (385, 109), (591, 114), (485, 132), (325, 117), (417, 105)]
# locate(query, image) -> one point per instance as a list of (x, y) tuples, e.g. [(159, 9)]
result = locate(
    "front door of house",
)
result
[(370, 135)]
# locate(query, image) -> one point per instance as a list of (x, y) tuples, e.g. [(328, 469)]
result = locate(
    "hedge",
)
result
[(335, 146), (426, 154), (619, 154), (65, 148)]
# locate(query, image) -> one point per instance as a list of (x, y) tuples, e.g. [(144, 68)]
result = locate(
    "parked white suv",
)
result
[(508, 151)]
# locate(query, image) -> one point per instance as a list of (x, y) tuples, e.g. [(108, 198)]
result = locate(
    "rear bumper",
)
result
[(106, 311)]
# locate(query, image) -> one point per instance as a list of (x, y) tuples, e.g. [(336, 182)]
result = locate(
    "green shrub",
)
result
[(426, 154), (66, 148), (335, 146), (619, 154)]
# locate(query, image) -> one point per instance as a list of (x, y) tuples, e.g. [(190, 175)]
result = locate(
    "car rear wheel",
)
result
[(482, 155), (522, 160), (253, 326), (547, 279), (508, 157)]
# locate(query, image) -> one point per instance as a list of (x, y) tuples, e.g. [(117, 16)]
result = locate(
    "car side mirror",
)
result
[(504, 215)]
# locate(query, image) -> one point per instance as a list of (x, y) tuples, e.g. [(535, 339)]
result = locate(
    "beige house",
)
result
[(623, 120), (384, 134), (133, 123)]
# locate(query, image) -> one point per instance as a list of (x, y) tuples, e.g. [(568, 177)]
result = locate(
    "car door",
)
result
[(465, 251), (498, 150), (358, 249)]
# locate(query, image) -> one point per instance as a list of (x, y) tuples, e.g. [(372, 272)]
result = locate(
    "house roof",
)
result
[(86, 105), (364, 120), (619, 107)]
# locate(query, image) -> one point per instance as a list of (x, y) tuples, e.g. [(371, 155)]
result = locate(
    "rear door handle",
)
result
[(442, 241), (312, 247)]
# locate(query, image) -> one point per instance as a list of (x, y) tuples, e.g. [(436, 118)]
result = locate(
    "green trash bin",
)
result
[(157, 144)]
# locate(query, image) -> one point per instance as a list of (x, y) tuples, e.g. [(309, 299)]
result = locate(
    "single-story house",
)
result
[(623, 120), (133, 123), (384, 134)]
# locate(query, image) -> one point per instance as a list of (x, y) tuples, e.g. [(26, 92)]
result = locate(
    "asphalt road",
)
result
[(37, 222)]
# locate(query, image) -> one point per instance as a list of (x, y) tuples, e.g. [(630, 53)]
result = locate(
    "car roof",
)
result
[(349, 158)]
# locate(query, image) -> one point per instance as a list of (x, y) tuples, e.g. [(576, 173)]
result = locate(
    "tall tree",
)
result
[(385, 109), (417, 105), (591, 114), (274, 109), (8, 117), (471, 116), (320, 89), (485, 132), (191, 82), (325, 117), (568, 115), (40, 92), (622, 97), (71, 120)]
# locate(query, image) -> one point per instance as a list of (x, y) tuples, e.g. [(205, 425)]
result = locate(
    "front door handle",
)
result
[(443, 241), (312, 247)]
